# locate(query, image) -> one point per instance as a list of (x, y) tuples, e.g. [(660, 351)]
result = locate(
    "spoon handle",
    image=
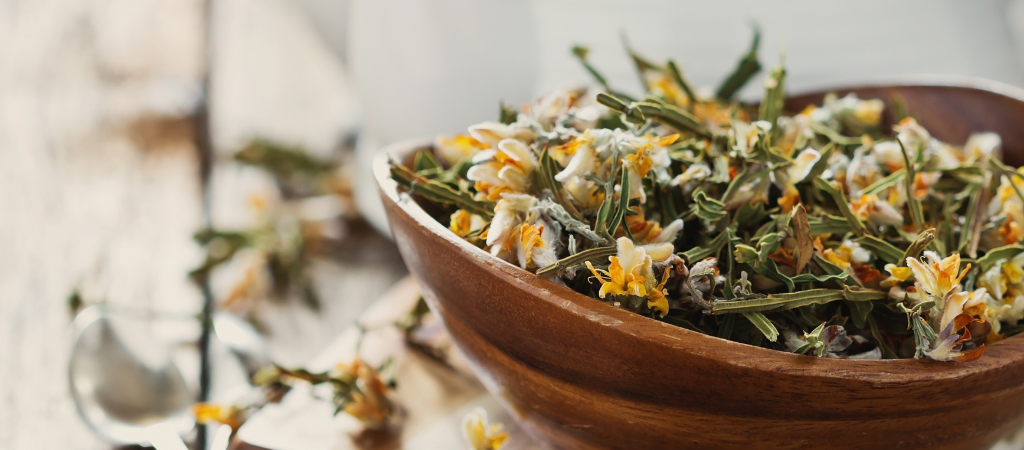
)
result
[(166, 440)]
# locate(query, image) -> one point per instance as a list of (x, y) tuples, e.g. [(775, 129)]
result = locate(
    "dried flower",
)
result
[(480, 434)]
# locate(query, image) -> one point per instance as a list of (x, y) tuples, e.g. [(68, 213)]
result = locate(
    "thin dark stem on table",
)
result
[(204, 145)]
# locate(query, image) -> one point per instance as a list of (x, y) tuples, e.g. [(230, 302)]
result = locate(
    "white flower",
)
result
[(982, 145), (854, 113), (745, 136), (584, 160), (490, 133), (889, 154), (787, 178), (506, 169), (535, 245), (456, 148), (480, 434), (862, 171), (510, 212), (940, 278), (696, 172), (876, 212)]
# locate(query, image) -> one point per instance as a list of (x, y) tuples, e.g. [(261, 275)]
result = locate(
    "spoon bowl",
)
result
[(125, 385), (242, 340)]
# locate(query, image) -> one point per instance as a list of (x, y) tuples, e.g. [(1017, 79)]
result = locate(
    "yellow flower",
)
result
[(869, 112), (695, 172), (640, 162), (453, 149), (491, 133), (650, 231), (1004, 302), (464, 223), (629, 273), (209, 412), (620, 281), (790, 198), (847, 254), (657, 302), (876, 212), (506, 169), (581, 154), (938, 277), (1010, 231), (534, 245), (948, 345), (480, 434), (787, 178), (661, 85), (370, 403), (650, 154), (912, 134), (585, 193), (897, 275), (510, 212), (980, 146)]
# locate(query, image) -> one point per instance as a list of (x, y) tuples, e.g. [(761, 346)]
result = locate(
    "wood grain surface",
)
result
[(581, 374)]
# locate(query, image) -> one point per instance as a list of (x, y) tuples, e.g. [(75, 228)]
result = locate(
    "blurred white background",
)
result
[(98, 173)]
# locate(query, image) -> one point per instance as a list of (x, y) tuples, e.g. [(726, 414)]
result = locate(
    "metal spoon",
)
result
[(125, 385), (243, 340)]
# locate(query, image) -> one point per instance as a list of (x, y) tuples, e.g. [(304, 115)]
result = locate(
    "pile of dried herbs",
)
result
[(847, 238)]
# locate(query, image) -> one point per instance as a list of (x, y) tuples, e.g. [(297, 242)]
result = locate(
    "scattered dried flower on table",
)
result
[(481, 434)]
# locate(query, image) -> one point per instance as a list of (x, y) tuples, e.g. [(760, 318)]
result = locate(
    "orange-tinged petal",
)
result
[(658, 303), (637, 287), (667, 140), (615, 271), (610, 288), (790, 199), (596, 273), (971, 355)]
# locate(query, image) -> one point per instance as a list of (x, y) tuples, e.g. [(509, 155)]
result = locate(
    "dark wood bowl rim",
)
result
[(997, 355)]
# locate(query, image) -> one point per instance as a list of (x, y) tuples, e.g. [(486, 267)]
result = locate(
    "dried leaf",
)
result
[(802, 230)]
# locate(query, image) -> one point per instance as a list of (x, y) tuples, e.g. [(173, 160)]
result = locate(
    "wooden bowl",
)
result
[(580, 374)]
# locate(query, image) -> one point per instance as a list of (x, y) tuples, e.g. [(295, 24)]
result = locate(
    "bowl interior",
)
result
[(950, 111)]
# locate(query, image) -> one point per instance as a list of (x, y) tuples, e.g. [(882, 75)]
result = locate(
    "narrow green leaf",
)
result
[(887, 352), (712, 248), (885, 183), (593, 254), (859, 312), (439, 192), (774, 97), (833, 135), (677, 76), (725, 330), (996, 254), (426, 161), (744, 71), (888, 252), (762, 323), (855, 294), (778, 301), (842, 205), (828, 224), (620, 212), (913, 203), (557, 212)]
